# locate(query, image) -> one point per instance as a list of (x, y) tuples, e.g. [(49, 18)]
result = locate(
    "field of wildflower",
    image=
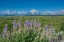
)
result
[(31, 28)]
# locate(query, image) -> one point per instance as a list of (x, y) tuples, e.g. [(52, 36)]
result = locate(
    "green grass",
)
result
[(45, 20), (57, 22)]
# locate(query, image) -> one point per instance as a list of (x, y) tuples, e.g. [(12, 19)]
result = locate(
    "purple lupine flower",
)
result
[(51, 28), (30, 24), (5, 28), (5, 31), (35, 23), (46, 28), (14, 25), (20, 24), (38, 24), (26, 23)]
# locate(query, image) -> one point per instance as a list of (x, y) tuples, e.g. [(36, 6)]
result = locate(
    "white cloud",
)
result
[(33, 11)]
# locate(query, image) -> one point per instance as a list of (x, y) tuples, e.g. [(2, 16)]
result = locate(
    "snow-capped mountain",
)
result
[(32, 12)]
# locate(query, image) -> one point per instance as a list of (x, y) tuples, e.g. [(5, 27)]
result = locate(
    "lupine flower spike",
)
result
[(38, 24), (25, 25), (19, 25), (46, 30), (34, 24), (5, 28), (5, 31), (14, 25), (31, 23), (51, 28)]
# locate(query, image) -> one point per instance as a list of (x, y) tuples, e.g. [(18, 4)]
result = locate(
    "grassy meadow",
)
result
[(45, 20), (34, 34)]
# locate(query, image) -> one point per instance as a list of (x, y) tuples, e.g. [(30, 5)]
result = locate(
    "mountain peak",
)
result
[(33, 11)]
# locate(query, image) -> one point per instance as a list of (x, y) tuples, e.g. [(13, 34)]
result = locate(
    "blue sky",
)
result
[(27, 5)]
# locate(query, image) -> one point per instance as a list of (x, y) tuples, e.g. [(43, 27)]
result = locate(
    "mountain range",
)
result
[(32, 12)]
